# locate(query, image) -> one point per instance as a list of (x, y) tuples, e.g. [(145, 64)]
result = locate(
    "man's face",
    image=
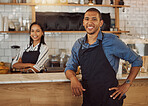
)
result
[(92, 22)]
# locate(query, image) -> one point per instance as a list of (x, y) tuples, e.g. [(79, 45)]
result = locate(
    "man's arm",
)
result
[(76, 87), (121, 50), (122, 89), (71, 68)]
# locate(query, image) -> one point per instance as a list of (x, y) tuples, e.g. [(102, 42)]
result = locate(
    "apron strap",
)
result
[(100, 43), (39, 47), (27, 48)]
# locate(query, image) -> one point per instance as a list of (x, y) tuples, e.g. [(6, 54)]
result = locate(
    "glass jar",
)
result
[(55, 62)]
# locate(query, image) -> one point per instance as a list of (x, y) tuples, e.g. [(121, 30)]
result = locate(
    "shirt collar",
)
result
[(35, 47), (98, 38)]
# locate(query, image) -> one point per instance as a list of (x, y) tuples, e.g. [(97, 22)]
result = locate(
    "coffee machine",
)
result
[(15, 49)]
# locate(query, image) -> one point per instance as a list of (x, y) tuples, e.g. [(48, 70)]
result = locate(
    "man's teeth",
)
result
[(90, 27)]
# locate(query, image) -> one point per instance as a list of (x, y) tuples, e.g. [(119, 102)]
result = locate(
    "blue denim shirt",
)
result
[(113, 47)]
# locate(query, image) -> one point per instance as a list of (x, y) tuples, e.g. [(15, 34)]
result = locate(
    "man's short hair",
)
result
[(96, 10)]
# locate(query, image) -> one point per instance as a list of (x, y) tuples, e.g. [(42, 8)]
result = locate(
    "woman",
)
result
[(36, 54)]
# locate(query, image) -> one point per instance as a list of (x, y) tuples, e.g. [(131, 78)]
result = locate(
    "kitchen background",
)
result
[(133, 19)]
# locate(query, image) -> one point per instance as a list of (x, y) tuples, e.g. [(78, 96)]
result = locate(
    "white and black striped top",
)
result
[(43, 57)]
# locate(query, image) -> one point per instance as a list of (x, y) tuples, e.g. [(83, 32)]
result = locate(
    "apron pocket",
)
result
[(96, 93)]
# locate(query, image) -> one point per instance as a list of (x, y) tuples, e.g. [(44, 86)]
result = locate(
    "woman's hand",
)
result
[(76, 87), (30, 65), (120, 90), (20, 60), (24, 70)]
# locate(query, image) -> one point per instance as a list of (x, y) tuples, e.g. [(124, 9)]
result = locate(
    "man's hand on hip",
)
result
[(120, 90)]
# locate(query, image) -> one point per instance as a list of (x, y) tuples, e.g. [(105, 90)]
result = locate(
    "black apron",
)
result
[(31, 56), (97, 77)]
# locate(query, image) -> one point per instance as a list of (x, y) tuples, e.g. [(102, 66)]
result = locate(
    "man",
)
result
[(98, 55)]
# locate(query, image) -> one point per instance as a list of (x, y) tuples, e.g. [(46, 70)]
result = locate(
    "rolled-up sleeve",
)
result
[(122, 51), (73, 61), (43, 57)]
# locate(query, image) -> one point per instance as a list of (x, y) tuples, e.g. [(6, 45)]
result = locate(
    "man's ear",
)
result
[(101, 23)]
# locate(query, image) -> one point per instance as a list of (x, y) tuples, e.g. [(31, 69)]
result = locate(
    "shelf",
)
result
[(82, 5), (35, 4), (14, 31), (115, 32), (30, 4)]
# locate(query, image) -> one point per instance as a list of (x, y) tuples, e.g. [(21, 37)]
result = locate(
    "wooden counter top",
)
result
[(48, 77), (32, 78)]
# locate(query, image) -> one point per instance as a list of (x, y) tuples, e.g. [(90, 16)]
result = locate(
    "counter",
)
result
[(31, 78), (49, 77), (53, 89)]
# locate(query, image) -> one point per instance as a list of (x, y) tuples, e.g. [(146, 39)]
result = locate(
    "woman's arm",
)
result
[(24, 66), (43, 57), (20, 65)]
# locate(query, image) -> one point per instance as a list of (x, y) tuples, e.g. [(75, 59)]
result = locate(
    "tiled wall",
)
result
[(133, 19)]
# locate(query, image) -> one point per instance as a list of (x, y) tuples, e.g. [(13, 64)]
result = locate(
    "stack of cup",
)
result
[(28, 1), (5, 23), (38, 1), (1, 23)]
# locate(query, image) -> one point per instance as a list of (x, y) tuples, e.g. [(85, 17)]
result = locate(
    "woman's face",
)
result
[(36, 33)]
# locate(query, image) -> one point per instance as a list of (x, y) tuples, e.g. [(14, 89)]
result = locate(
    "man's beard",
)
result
[(92, 32)]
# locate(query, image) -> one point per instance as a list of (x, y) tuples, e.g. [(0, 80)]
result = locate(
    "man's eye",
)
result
[(94, 19)]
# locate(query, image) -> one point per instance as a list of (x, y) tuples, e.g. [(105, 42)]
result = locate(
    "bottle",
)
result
[(121, 2), (61, 62), (111, 2), (28, 26), (21, 21), (81, 1)]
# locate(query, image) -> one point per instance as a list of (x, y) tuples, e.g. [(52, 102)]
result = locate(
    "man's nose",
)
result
[(89, 22)]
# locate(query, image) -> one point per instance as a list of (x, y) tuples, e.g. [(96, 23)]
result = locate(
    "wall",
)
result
[(133, 19)]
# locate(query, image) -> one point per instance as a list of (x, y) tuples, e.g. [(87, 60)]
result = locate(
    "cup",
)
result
[(18, 1)]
